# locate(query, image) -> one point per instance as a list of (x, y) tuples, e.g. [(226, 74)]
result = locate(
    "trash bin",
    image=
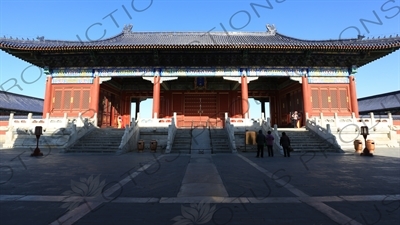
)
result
[(140, 145), (250, 137), (370, 146), (358, 146), (153, 145)]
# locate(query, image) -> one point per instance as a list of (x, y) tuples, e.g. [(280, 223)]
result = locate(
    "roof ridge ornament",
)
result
[(271, 29), (360, 37), (127, 29), (41, 38)]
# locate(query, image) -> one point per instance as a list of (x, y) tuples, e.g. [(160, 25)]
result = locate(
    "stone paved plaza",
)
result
[(154, 188)]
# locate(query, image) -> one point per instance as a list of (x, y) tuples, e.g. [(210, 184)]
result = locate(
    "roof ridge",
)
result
[(20, 95), (379, 95)]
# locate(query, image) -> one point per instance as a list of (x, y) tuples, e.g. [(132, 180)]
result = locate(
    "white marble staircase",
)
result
[(182, 141), (99, 140), (303, 140), (219, 141)]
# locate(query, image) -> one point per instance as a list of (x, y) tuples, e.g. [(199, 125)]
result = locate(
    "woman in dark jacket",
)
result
[(285, 143)]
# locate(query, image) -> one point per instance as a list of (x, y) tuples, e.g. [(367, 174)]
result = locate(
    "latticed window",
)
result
[(67, 100), (85, 99), (57, 99), (315, 98), (344, 100), (324, 98), (334, 100), (76, 100)]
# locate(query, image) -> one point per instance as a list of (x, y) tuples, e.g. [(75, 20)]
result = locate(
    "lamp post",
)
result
[(365, 133), (38, 132)]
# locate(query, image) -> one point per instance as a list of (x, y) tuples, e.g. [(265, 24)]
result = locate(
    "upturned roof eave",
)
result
[(281, 47), (277, 41)]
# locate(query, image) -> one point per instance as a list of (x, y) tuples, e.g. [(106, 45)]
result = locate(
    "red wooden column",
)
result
[(353, 96), (306, 98), (47, 97), (263, 107), (245, 97), (128, 105), (137, 108), (156, 97), (272, 109), (95, 95)]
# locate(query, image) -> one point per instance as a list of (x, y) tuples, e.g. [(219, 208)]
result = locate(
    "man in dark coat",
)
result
[(260, 140), (285, 143)]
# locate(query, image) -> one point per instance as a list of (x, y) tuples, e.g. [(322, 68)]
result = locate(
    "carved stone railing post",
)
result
[(175, 121), (336, 119), (95, 120), (229, 128), (262, 119), (65, 120), (390, 120), (11, 120), (372, 118), (29, 120), (321, 117), (47, 121), (138, 117)]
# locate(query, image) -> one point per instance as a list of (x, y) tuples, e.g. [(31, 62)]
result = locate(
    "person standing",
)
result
[(260, 140), (299, 120), (295, 118), (285, 143), (269, 140)]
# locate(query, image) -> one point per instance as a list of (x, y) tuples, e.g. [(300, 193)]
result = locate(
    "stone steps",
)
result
[(182, 141), (99, 140), (303, 140), (219, 141)]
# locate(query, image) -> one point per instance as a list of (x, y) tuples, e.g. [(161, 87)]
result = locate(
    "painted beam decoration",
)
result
[(203, 72), (329, 75), (328, 72), (72, 80), (328, 80), (72, 76), (125, 71), (315, 75), (276, 71), (72, 72)]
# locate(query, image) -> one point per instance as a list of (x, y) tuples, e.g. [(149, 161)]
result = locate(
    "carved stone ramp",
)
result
[(202, 178), (200, 141)]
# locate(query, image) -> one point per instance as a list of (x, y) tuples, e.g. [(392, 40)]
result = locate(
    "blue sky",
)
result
[(313, 20)]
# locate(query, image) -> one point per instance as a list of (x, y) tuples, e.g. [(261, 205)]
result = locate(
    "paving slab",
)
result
[(202, 178), (143, 188)]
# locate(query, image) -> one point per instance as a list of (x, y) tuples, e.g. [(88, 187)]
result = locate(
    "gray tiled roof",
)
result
[(381, 102), (266, 40), (16, 102)]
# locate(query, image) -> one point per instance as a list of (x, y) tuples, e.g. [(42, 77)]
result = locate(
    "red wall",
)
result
[(72, 99), (330, 98), (5, 124), (397, 123)]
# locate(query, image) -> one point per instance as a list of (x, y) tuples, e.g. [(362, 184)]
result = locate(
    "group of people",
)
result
[(296, 119), (268, 140)]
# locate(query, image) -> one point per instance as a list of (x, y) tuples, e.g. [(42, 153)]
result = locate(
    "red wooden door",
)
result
[(105, 110)]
